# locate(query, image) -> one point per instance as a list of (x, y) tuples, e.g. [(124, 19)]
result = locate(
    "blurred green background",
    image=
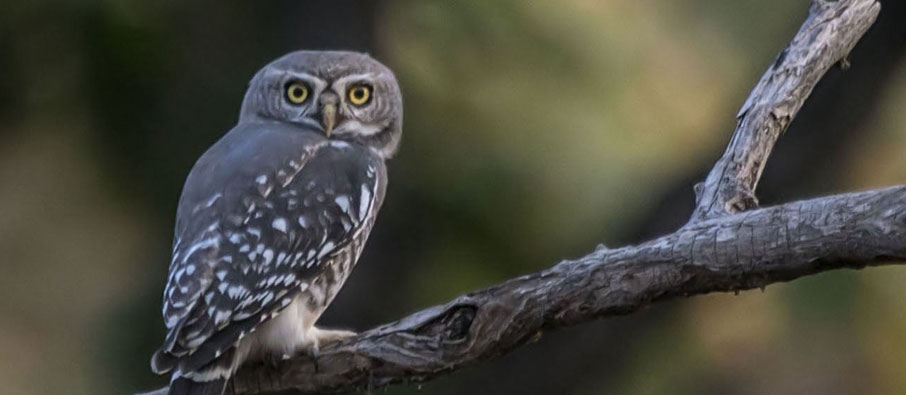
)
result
[(534, 130)]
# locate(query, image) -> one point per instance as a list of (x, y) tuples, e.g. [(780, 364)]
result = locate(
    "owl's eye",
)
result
[(359, 94), (296, 92)]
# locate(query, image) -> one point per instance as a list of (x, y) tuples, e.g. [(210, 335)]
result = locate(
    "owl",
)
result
[(273, 217)]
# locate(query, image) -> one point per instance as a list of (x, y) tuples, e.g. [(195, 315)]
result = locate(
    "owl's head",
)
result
[(345, 95)]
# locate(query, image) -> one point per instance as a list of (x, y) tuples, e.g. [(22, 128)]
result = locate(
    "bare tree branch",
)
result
[(828, 35), (720, 249), (736, 252)]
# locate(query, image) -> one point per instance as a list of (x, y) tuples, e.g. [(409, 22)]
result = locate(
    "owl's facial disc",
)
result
[(343, 95)]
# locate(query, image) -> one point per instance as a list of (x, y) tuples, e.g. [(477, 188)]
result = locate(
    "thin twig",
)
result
[(828, 35)]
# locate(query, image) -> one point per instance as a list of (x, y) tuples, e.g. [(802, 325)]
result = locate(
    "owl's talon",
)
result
[(314, 351), (273, 361)]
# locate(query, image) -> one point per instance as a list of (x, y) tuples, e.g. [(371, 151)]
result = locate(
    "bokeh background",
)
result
[(534, 130)]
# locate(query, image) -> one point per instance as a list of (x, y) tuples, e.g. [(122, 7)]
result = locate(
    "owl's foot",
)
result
[(323, 336), (274, 361)]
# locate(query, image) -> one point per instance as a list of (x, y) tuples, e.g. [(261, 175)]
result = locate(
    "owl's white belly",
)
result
[(290, 331), (293, 329)]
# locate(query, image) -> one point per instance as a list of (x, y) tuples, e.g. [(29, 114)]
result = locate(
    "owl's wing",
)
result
[(244, 250)]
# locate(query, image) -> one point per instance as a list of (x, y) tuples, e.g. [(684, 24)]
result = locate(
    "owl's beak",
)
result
[(328, 117)]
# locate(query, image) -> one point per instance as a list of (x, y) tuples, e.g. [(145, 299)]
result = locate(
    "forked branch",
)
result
[(828, 35), (736, 252)]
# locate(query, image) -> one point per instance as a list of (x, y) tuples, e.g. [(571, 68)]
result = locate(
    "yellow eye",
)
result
[(296, 92), (359, 94)]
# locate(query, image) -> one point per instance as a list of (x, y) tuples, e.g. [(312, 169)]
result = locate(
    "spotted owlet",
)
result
[(273, 217)]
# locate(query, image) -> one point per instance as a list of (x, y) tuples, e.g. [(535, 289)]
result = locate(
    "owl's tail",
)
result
[(210, 379)]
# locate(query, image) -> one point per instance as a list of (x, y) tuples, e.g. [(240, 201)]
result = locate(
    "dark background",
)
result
[(533, 131)]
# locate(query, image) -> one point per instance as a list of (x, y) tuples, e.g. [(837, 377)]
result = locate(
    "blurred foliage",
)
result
[(534, 131)]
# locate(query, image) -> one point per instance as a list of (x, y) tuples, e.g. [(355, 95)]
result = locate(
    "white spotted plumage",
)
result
[(281, 254), (279, 224), (272, 219)]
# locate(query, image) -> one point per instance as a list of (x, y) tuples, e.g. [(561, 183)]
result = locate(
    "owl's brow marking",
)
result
[(318, 84), (361, 77)]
